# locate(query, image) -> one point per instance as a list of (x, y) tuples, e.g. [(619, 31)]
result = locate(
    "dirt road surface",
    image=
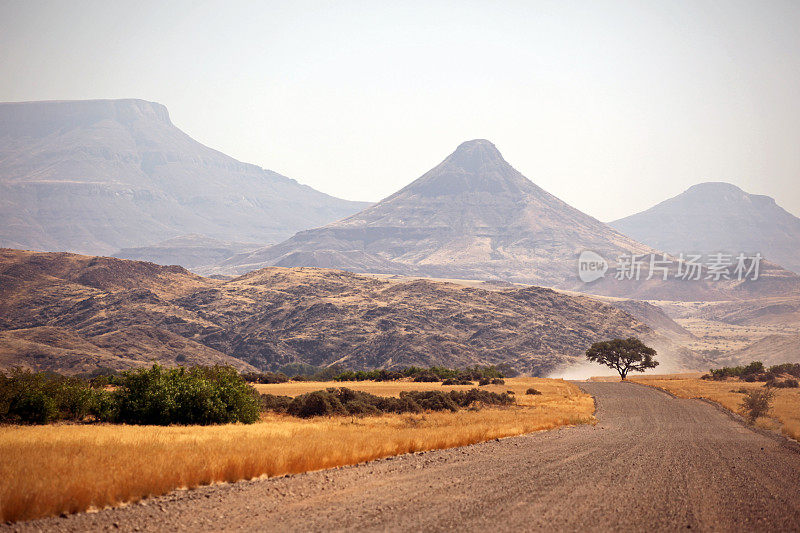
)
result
[(652, 462)]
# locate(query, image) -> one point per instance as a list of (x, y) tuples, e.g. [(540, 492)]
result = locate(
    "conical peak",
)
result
[(476, 155), (475, 167)]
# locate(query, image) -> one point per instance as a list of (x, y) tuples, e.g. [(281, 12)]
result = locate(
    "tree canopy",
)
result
[(623, 355)]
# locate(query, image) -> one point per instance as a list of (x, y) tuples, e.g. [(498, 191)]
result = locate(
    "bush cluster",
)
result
[(343, 401), (440, 373), (754, 372), (265, 378), (490, 381), (159, 396), (532, 391), (38, 398), (456, 381), (785, 384), (200, 395), (304, 372), (369, 375)]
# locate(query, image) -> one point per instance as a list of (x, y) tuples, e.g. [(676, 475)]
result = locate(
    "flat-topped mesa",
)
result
[(38, 119), (98, 176)]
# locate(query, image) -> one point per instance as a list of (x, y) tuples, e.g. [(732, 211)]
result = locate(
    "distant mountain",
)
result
[(771, 350), (718, 217), (189, 251), (473, 216), (74, 313), (97, 176)]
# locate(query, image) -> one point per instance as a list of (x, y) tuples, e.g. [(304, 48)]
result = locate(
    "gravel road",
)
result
[(652, 462)]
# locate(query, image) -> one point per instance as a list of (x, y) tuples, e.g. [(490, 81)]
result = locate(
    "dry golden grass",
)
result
[(48, 470), (785, 412)]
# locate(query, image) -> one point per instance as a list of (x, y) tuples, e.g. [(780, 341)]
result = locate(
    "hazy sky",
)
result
[(612, 106)]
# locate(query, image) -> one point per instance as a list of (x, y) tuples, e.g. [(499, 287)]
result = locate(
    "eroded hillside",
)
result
[(128, 313)]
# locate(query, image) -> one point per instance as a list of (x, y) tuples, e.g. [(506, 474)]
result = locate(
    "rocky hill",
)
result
[(716, 217), (100, 175), (68, 312)]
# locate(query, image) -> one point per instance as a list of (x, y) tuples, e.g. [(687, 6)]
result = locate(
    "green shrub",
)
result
[(369, 375), (317, 403), (785, 384), (757, 402), (456, 381), (33, 407), (793, 369), (532, 391), (265, 378), (344, 401), (271, 402), (38, 398), (201, 395), (478, 396), (431, 400), (750, 373)]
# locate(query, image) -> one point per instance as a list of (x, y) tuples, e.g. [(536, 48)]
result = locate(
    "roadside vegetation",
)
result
[(783, 376), (431, 374), (767, 397), (154, 396), (68, 467), (343, 401)]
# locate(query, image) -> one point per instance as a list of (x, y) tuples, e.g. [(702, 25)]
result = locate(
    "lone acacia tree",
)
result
[(623, 355)]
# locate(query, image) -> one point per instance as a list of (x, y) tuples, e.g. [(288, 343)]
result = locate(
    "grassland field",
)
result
[(67, 468)]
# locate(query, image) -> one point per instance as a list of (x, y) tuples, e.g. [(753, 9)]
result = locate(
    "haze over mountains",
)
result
[(718, 217), (117, 176), (473, 216), (100, 175), (189, 251)]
